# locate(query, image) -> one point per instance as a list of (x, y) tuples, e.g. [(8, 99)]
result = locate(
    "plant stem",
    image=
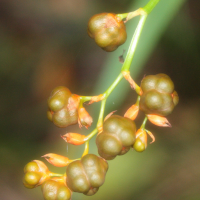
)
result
[(133, 44), (144, 123), (89, 136), (86, 150), (52, 174), (150, 6), (113, 85)]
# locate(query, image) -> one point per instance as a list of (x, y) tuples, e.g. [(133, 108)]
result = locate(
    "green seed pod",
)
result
[(64, 118), (108, 31), (32, 179), (55, 190), (86, 175), (36, 172), (158, 95), (59, 98), (139, 146), (117, 137), (159, 82), (59, 112)]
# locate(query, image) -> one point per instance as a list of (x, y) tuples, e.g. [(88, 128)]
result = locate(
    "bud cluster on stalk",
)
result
[(116, 134)]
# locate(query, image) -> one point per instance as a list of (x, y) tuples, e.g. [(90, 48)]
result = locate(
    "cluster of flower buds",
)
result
[(157, 99), (117, 137), (83, 176), (116, 134), (56, 188), (86, 175), (36, 172), (65, 109), (108, 31), (158, 95)]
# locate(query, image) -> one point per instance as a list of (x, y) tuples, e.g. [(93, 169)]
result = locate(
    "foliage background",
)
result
[(45, 44)]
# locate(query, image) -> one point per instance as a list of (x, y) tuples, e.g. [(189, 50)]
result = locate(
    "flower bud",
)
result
[(63, 107), (108, 31), (141, 140), (158, 120), (36, 172), (57, 160), (132, 112), (74, 138), (56, 189), (84, 119)]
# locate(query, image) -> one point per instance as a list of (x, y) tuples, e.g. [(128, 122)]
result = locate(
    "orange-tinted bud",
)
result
[(132, 112), (74, 138), (84, 119), (132, 83), (151, 135), (109, 115), (57, 160), (141, 140), (96, 98), (73, 102), (158, 120)]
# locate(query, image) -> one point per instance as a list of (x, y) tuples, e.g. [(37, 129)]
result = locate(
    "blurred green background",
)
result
[(44, 44)]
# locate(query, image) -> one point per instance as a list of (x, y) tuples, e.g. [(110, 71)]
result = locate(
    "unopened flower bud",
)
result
[(158, 120), (36, 172), (74, 138), (57, 160), (132, 112), (84, 119), (56, 189), (141, 140)]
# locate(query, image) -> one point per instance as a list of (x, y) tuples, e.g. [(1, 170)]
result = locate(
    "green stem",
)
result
[(144, 123), (101, 114), (150, 6), (113, 85), (133, 44), (52, 174), (86, 150), (85, 98), (122, 16), (138, 100), (89, 136)]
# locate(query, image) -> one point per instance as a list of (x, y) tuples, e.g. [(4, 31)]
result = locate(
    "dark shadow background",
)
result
[(44, 44)]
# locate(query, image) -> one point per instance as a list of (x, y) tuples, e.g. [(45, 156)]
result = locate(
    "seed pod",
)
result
[(59, 98), (55, 190), (141, 140), (117, 137), (86, 175), (158, 95), (36, 172), (108, 31), (63, 107)]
